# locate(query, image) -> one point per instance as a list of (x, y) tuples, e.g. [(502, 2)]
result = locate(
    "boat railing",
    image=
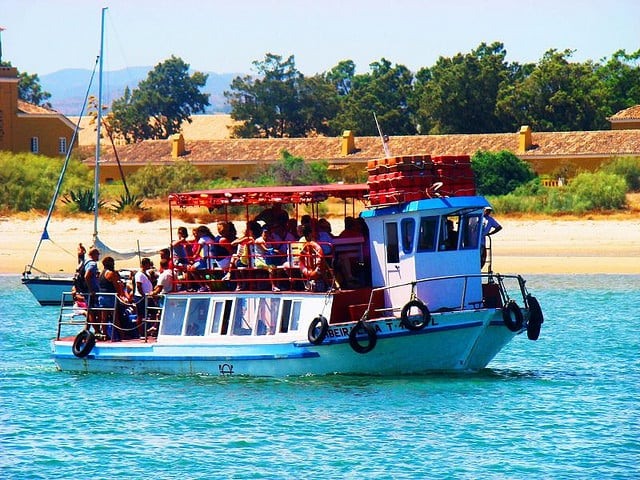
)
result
[(288, 265), (29, 269), (497, 291), (109, 316)]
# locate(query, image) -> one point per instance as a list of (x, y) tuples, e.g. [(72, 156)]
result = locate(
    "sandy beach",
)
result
[(526, 247)]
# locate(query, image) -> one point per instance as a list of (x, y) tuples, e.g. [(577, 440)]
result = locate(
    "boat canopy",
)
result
[(290, 194)]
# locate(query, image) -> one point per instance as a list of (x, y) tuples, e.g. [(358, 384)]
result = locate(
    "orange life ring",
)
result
[(311, 261)]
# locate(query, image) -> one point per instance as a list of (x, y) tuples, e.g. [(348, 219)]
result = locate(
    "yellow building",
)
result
[(25, 127)]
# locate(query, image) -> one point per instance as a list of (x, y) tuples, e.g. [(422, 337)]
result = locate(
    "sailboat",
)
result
[(48, 289)]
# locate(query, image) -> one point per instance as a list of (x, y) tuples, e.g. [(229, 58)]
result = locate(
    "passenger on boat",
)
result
[(165, 279), (223, 249), (165, 254), (273, 215), (490, 226), (262, 257), (280, 239), (450, 240), (91, 276), (181, 248), (204, 258), (324, 236), (111, 284), (142, 288), (242, 257), (81, 253), (348, 253)]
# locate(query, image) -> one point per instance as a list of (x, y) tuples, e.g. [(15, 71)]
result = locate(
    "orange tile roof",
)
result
[(234, 151), (631, 113), (26, 107)]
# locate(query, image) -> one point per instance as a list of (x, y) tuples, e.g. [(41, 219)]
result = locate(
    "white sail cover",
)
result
[(124, 254)]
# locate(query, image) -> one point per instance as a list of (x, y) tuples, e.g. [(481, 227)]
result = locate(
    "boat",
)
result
[(420, 302), (48, 289)]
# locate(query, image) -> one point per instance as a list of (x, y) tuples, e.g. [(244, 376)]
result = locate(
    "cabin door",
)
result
[(392, 253)]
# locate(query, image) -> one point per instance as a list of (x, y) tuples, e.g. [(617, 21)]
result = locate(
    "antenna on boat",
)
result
[(384, 138)]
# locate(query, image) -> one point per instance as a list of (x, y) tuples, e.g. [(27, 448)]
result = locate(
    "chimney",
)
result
[(524, 139), (348, 143), (177, 145)]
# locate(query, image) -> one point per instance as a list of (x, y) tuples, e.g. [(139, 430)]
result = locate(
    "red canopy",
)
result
[(294, 194)]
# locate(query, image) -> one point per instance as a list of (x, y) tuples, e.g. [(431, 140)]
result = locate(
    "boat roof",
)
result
[(288, 194)]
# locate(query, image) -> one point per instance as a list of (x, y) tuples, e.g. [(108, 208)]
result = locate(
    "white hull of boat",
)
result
[(48, 290), (455, 341)]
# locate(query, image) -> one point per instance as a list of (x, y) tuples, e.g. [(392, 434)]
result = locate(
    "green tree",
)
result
[(29, 88), (558, 95), (385, 90), (620, 79), (499, 173), (280, 101), (459, 94), (157, 108)]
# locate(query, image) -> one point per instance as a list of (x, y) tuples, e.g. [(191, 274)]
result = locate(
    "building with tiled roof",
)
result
[(547, 152), (25, 127), (628, 118)]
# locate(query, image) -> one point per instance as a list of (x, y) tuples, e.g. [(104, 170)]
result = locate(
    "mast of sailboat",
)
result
[(96, 178), (384, 138)]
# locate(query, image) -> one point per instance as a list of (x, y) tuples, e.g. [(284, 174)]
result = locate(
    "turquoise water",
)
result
[(566, 406)]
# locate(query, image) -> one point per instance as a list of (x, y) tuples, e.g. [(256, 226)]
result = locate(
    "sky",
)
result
[(44, 36)]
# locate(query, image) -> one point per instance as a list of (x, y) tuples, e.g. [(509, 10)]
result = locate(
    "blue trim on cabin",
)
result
[(428, 204)]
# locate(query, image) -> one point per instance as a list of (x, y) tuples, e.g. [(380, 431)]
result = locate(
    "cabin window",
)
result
[(35, 145), (285, 316), (294, 319), (226, 316), (393, 251), (267, 316), (469, 232), (242, 321), (427, 234), (220, 316), (407, 229), (197, 317), (174, 310), (62, 145), (449, 233)]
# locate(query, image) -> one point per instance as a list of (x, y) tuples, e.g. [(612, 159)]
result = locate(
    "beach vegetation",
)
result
[(81, 200), (587, 192), (628, 168), (292, 170), (499, 173), (153, 181), (127, 202), (28, 181)]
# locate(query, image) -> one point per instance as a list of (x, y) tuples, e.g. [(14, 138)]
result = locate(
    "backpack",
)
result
[(79, 282)]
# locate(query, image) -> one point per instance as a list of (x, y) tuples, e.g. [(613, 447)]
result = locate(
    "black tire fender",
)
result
[(512, 316), (372, 337), (318, 330), (536, 318), (415, 326), (83, 344)]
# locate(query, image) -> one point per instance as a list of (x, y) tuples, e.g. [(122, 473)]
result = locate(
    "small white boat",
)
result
[(421, 302)]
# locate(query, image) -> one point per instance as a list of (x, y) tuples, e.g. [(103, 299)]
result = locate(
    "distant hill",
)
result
[(69, 86)]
